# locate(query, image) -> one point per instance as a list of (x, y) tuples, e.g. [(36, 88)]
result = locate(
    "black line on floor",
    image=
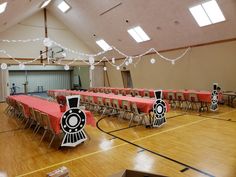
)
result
[(216, 118), (140, 125), (123, 128), (184, 170), (175, 116), (153, 152), (11, 130)]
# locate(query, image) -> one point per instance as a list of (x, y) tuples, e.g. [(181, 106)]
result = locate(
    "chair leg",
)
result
[(54, 135), (37, 130), (44, 133), (27, 121)]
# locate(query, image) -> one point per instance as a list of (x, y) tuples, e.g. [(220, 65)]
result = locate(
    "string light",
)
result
[(127, 63), (118, 67), (22, 66), (130, 60), (47, 42), (105, 68), (92, 67), (113, 60), (66, 67), (153, 60), (91, 60)]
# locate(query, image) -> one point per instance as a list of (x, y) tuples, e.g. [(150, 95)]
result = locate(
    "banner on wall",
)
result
[(73, 122), (159, 109)]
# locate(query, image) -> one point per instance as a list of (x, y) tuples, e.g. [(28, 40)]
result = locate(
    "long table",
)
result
[(50, 108), (203, 96), (143, 104)]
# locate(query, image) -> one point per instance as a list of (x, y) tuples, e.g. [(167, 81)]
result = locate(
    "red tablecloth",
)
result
[(143, 104), (203, 96), (50, 108)]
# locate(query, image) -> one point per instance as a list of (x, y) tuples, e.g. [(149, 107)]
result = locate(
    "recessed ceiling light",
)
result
[(138, 34), (207, 13), (3, 7), (63, 6), (45, 3), (103, 45)]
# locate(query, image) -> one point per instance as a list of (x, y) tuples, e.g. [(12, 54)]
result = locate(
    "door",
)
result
[(127, 80)]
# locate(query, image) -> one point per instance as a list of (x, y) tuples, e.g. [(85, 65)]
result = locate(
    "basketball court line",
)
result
[(100, 151)]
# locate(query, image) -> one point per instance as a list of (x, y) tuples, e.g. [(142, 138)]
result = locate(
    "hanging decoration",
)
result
[(89, 59), (153, 60), (3, 66)]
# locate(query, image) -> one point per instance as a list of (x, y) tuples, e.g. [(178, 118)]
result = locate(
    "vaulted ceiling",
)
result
[(168, 22)]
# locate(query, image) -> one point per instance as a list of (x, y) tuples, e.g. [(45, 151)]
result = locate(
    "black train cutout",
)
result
[(159, 109), (214, 98), (73, 122)]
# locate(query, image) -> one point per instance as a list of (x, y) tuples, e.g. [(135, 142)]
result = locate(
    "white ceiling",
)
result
[(168, 22)]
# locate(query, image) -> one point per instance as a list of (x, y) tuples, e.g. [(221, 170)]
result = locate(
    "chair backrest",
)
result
[(45, 121), (136, 93), (108, 102), (38, 116), (123, 92), (126, 105), (171, 96), (146, 93), (180, 96), (134, 108), (32, 114), (193, 97), (91, 99), (100, 101), (132, 93), (116, 92), (115, 104)]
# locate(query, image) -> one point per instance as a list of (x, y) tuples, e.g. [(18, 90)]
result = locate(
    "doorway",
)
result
[(127, 80)]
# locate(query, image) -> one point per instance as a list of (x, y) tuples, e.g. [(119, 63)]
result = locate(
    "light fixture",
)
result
[(63, 6), (103, 44), (207, 13), (127, 63), (173, 62), (138, 34), (3, 7), (92, 67), (45, 3), (118, 67), (104, 68)]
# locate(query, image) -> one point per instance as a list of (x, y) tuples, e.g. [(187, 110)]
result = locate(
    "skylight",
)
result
[(138, 34), (207, 13), (63, 6), (45, 3), (103, 45), (3, 7)]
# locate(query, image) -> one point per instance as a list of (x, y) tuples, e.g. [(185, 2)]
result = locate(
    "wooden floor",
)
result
[(197, 145)]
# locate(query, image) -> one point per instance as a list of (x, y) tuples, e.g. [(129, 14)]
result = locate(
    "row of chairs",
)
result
[(111, 107), (178, 100), (36, 119)]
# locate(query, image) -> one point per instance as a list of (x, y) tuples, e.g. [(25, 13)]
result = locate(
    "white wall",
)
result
[(47, 79)]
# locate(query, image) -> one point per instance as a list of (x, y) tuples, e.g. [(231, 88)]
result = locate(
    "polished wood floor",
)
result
[(197, 145)]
